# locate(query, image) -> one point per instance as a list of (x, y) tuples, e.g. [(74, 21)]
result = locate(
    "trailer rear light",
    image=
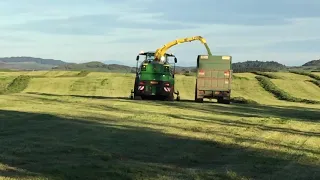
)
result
[(217, 92), (201, 72), (227, 73), (142, 83), (166, 84), (226, 82)]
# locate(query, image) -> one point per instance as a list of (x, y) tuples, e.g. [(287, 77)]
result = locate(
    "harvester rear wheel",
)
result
[(170, 97), (137, 98)]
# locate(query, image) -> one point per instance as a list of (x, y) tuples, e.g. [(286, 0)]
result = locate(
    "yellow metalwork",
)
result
[(162, 51)]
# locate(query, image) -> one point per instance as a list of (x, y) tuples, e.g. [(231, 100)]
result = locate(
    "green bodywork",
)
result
[(156, 72), (159, 72), (214, 77), (155, 76)]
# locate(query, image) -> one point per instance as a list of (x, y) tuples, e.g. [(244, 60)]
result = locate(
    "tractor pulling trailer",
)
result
[(155, 75)]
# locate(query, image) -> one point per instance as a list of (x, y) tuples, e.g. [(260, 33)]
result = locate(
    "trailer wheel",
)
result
[(223, 101), (196, 99), (226, 102)]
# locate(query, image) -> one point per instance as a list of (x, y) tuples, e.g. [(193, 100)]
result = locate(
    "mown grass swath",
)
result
[(315, 82), (266, 74), (238, 77), (18, 84), (307, 74), (279, 93), (80, 74)]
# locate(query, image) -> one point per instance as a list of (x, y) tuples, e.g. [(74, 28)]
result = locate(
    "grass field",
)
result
[(297, 85), (316, 73), (87, 128)]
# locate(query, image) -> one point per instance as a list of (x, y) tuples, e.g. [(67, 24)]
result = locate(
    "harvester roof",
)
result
[(153, 52)]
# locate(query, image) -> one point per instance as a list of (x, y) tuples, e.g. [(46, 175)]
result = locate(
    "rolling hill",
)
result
[(248, 66), (28, 63), (31, 63), (95, 66), (312, 63)]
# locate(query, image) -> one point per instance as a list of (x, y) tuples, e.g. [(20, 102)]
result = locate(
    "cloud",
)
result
[(79, 30), (99, 24), (299, 46), (244, 12)]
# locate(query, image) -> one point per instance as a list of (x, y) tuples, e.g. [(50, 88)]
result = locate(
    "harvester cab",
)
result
[(154, 78)]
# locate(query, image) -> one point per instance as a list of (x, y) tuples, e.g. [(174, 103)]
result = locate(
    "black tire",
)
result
[(137, 98), (196, 99), (195, 93), (223, 101), (226, 101), (170, 97)]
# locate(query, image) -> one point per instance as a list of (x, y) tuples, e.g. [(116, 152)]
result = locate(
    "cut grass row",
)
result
[(315, 82), (268, 85), (79, 74), (18, 84), (265, 74), (246, 89), (311, 75)]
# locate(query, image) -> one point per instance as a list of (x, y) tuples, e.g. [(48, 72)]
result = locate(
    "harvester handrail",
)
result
[(161, 51)]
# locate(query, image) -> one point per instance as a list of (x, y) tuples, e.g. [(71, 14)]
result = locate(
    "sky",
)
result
[(286, 31)]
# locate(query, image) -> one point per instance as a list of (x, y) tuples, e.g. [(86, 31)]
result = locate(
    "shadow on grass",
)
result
[(81, 96), (248, 110), (240, 110), (247, 125), (62, 148)]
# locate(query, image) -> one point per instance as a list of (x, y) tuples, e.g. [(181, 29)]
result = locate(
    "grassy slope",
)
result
[(316, 73), (297, 86), (249, 88), (89, 138)]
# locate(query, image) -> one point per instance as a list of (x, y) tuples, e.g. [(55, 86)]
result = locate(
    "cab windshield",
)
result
[(150, 57)]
